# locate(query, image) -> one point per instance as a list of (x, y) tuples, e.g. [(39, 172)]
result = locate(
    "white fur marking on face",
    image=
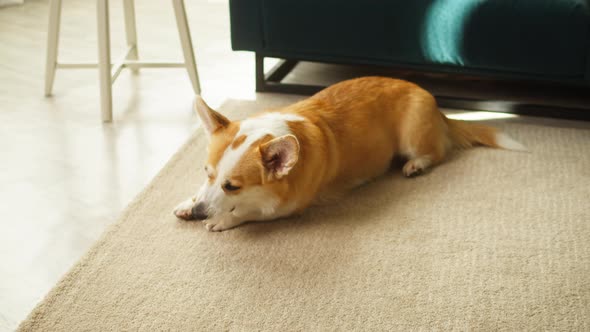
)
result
[(275, 124), (265, 203)]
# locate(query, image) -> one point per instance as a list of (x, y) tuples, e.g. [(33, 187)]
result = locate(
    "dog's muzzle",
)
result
[(199, 211)]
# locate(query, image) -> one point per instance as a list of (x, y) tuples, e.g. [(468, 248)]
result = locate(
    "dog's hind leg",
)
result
[(416, 166), (427, 148), (425, 143)]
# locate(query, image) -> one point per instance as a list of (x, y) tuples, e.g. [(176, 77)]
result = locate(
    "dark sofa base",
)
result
[(271, 81)]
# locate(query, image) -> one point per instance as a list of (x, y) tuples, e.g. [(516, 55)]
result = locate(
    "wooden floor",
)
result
[(64, 175)]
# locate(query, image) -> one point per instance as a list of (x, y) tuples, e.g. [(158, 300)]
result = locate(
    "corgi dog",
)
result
[(278, 163)]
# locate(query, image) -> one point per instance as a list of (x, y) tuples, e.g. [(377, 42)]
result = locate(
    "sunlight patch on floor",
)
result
[(474, 116)]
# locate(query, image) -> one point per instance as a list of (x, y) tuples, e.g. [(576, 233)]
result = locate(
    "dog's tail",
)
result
[(465, 134)]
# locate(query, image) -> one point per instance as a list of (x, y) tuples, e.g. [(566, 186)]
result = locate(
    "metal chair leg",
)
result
[(52, 44), (187, 45), (104, 60)]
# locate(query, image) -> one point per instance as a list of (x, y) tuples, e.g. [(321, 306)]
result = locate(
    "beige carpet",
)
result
[(491, 240)]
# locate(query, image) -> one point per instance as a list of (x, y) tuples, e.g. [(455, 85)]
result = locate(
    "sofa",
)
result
[(533, 40)]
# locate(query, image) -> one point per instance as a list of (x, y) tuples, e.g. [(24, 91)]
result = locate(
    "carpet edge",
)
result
[(30, 322)]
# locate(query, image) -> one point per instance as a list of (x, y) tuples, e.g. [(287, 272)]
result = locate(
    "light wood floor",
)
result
[(64, 175)]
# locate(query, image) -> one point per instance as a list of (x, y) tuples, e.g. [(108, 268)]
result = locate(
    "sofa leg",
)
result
[(271, 81), (260, 86)]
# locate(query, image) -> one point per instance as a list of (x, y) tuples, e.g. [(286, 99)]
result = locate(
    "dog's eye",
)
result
[(230, 187)]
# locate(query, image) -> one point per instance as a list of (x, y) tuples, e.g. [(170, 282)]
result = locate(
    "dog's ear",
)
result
[(212, 121), (279, 155)]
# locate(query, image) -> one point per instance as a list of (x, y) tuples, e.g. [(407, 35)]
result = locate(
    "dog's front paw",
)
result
[(220, 224), (184, 210)]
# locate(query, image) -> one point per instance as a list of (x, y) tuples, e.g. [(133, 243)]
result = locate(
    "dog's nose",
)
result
[(200, 211)]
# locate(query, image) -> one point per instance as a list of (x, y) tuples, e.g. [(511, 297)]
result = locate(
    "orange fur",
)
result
[(351, 132), (356, 127)]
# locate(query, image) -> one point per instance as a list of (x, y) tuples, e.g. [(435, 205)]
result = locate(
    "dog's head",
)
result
[(247, 164)]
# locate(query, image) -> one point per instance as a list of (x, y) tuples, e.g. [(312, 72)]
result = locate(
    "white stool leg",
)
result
[(104, 60), (131, 31), (52, 44), (187, 45)]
